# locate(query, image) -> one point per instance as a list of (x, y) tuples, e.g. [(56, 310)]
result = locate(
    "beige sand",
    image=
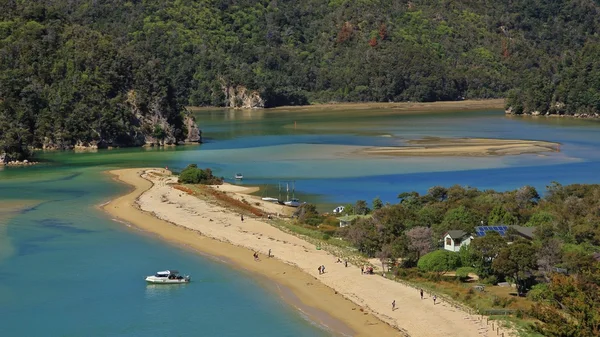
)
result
[(400, 107), (394, 107), (342, 292), (464, 147)]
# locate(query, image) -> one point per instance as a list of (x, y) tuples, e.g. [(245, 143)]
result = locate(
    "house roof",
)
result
[(457, 234), (524, 231)]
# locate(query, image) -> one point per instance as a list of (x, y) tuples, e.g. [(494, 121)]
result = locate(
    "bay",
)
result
[(67, 269)]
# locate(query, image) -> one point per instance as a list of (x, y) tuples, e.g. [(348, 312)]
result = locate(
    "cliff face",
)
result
[(239, 97), (149, 124)]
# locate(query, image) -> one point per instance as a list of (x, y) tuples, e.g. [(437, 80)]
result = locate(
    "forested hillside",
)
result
[(73, 71)]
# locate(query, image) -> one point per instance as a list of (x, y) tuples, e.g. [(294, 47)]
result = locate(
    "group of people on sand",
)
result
[(366, 270), (421, 292), (255, 255), (321, 269), (340, 261)]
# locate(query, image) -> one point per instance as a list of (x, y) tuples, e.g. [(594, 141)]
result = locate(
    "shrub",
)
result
[(194, 175), (463, 273), (493, 280), (439, 261)]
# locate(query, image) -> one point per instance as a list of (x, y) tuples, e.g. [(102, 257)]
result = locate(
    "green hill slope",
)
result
[(70, 69)]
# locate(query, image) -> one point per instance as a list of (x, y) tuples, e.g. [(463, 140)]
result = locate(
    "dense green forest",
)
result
[(559, 268), (114, 72)]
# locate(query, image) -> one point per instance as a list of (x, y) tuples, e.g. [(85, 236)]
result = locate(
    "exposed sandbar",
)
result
[(362, 302), (464, 147)]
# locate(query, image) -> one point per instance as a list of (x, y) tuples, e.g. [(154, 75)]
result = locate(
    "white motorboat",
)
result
[(292, 203), (269, 199), (239, 176), (338, 210), (168, 277)]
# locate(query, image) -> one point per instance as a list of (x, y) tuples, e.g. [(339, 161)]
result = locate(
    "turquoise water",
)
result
[(66, 269)]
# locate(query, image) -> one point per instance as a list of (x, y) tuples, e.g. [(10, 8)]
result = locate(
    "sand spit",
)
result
[(471, 147), (362, 302)]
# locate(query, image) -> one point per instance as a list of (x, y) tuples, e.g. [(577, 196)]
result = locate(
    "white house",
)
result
[(455, 239)]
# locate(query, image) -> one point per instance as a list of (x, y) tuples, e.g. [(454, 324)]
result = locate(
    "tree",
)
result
[(526, 196), (485, 249), (438, 193), (549, 256), (361, 207), (516, 261), (420, 240), (458, 218), (377, 203), (499, 216), (439, 262), (571, 306)]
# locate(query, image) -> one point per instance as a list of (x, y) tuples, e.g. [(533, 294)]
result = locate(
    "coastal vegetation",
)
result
[(194, 175), (118, 73), (556, 272)]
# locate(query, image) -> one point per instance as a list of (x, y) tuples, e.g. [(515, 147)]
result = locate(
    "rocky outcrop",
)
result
[(239, 97), (194, 135), (17, 163), (557, 109)]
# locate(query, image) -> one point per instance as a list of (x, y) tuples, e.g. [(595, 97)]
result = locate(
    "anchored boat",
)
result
[(168, 277)]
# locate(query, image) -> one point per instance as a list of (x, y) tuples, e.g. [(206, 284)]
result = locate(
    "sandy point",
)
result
[(341, 298), (320, 303)]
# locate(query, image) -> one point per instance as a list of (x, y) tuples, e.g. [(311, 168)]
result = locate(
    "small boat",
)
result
[(239, 176), (338, 210), (269, 199), (292, 203), (168, 277)]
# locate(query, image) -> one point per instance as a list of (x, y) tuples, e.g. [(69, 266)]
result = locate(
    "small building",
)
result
[(455, 239), (348, 219)]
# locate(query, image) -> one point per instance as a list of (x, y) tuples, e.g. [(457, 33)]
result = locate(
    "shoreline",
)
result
[(318, 302), (361, 302), (399, 107)]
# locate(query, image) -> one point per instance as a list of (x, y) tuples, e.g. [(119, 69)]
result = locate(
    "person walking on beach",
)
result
[(269, 252), (346, 263), (319, 269), (434, 298), (421, 293), (393, 305), (242, 217), (323, 269), (362, 269)]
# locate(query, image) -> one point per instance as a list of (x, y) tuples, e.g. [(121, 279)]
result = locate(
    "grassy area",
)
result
[(335, 246), (500, 303)]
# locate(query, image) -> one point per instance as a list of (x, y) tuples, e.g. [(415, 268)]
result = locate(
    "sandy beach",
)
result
[(393, 107), (464, 147), (341, 298)]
